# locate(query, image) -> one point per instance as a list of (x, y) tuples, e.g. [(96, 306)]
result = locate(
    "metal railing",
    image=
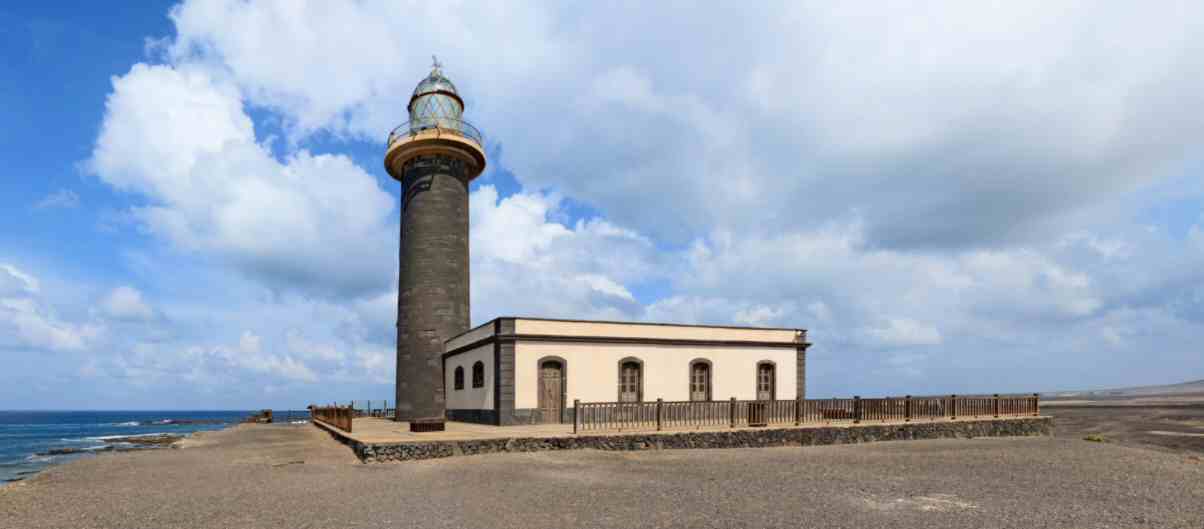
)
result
[(368, 409), (453, 126), (661, 414), (337, 416)]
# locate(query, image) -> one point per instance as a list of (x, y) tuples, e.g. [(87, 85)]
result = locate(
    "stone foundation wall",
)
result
[(742, 438)]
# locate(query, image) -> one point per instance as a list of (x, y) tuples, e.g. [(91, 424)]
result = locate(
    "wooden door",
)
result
[(551, 391), (629, 382), (700, 382), (765, 381)]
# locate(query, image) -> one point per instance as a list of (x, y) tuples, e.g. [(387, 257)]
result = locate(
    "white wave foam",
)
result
[(130, 423), (105, 437)]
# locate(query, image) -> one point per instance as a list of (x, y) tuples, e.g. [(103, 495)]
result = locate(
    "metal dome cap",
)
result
[(435, 82)]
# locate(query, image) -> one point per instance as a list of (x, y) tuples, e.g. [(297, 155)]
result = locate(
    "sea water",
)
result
[(25, 436)]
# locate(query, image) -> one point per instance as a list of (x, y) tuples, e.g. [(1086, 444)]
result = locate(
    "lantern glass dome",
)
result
[(436, 103)]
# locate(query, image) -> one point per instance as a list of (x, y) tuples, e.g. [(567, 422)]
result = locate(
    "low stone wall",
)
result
[(742, 438)]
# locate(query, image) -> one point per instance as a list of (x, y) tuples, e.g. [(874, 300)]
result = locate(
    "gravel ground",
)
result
[(273, 476), (1175, 429)]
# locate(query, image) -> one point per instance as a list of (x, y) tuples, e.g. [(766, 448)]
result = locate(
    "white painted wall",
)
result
[(469, 398), (593, 370)]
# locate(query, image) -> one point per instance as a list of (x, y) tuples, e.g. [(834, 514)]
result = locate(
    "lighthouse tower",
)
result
[(434, 155)]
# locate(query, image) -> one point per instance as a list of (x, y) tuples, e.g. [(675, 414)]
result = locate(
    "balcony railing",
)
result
[(453, 126)]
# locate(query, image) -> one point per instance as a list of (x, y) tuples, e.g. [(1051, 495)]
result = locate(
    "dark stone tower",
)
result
[(434, 156)]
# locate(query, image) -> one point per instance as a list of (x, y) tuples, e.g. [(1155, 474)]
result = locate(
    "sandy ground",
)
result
[(281, 476)]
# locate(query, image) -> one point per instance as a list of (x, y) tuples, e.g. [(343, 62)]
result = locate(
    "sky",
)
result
[(951, 197)]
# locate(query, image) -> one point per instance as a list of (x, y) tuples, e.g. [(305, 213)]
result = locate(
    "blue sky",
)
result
[(951, 198)]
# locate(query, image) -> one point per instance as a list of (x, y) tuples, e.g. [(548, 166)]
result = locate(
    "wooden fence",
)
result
[(336, 416), (661, 414)]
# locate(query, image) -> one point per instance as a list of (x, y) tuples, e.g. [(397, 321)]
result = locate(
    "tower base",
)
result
[(427, 425)]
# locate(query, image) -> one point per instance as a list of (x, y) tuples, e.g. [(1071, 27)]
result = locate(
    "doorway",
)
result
[(766, 380), (551, 391)]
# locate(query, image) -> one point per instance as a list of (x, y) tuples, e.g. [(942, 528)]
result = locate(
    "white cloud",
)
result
[(526, 263), (15, 282), (180, 138), (127, 303), (298, 343), (953, 179), (759, 315), (26, 321), (904, 332), (63, 198)]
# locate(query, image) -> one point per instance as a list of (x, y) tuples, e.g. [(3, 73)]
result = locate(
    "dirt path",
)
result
[(293, 477)]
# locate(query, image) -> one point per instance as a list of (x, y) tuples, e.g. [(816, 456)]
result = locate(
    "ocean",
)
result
[(26, 437)]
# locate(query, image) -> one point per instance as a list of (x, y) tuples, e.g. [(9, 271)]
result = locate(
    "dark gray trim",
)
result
[(505, 385), (800, 365), (710, 378), (773, 390), (619, 379), (505, 325), (564, 382), (497, 377), (473, 416)]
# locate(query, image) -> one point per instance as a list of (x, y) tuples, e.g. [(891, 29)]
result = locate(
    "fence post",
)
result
[(659, 422), (576, 414), (907, 408), (856, 409), (953, 407), (732, 412), (798, 410), (1036, 404), (996, 405)]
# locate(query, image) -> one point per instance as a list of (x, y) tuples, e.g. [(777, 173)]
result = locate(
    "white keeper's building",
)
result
[(515, 370)]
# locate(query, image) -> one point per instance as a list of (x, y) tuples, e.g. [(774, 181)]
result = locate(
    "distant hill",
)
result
[(1196, 386)]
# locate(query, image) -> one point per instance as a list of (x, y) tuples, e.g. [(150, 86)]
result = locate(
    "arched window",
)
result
[(631, 380), (459, 377), (766, 380), (700, 379), (478, 375)]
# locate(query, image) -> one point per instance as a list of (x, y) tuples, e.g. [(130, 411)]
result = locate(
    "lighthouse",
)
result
[(434, 156)]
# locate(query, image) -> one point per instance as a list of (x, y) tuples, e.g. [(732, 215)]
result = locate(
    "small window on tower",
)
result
[(459, 376), (478, 375)]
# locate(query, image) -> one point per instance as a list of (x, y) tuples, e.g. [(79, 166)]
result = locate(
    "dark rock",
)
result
[(146, 440)]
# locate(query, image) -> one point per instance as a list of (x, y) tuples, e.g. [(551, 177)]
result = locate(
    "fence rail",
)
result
[(662, 414), (336, 416)]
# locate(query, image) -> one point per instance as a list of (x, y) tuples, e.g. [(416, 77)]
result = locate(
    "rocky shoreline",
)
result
[(122, 444)]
